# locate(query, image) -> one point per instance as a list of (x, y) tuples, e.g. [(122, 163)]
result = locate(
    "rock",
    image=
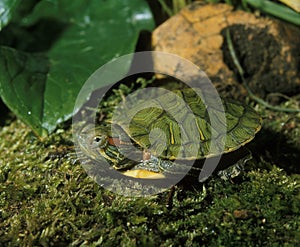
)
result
[(267, 49)]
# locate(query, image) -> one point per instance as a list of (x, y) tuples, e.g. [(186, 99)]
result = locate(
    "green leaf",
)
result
[(22, 85), (277, 10), (91, 33), (7, 10)]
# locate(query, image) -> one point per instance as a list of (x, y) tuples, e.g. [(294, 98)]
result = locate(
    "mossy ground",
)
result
[(48, 200)]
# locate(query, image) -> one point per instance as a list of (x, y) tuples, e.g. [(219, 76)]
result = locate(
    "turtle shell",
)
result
[(187, 124)]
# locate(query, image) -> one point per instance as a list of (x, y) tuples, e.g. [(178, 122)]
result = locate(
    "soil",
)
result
[(267, 67)]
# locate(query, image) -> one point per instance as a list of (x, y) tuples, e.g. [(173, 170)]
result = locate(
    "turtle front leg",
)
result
[(146, 155), (148, 168)]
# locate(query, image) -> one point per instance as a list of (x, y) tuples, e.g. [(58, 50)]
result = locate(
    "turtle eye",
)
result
[(97, 139)]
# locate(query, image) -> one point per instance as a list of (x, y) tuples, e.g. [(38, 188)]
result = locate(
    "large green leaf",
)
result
[(7, 10), (90, 34), (24, 85)]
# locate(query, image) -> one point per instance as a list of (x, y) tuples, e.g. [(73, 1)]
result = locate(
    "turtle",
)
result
[(153, 140)]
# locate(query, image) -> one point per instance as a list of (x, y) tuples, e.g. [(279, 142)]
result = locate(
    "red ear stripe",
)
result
[(114, 141)]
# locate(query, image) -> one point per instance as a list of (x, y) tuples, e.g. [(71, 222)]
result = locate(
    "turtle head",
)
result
[(100, 140), (98, 137), (97, 142), (94, 140)]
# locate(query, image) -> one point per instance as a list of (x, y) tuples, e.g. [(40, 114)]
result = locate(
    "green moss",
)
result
[(47, 199)]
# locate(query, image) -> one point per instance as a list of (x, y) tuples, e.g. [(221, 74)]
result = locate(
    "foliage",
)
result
[(46, 199), (7, 10), (276, 10), (48, 54)]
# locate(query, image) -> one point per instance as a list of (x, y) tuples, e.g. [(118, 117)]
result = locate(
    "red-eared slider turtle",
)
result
[(146, 139)]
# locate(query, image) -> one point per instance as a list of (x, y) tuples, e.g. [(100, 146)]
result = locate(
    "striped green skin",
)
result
[(96, 144), (186, 130)]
